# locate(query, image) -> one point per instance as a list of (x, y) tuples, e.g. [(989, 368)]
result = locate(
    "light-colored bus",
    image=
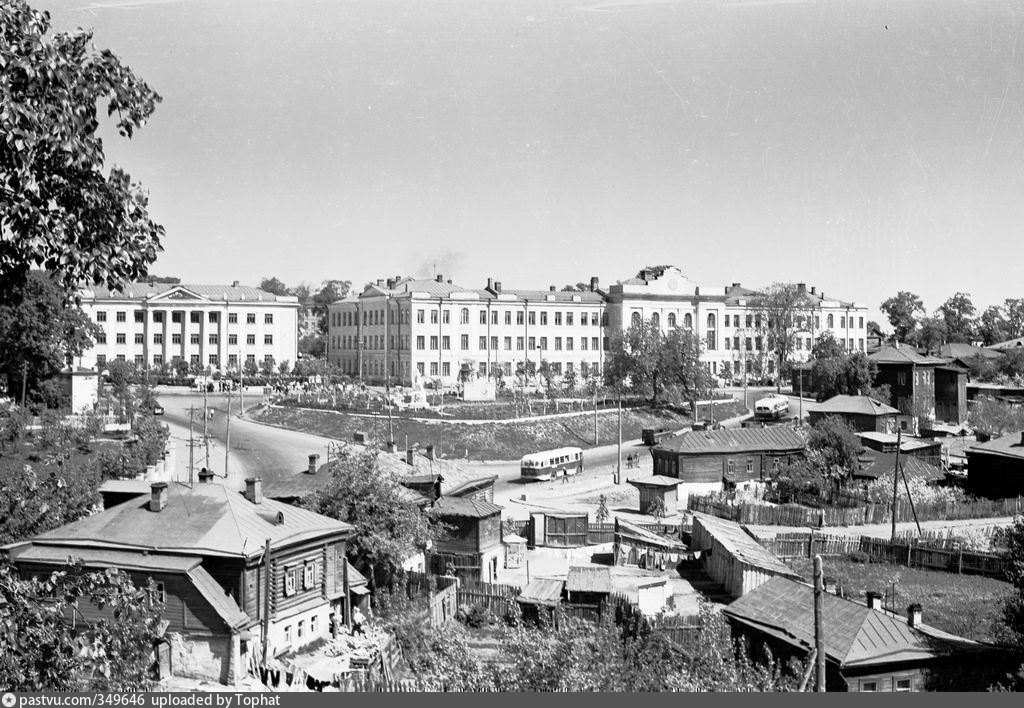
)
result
[(771, 407), (542, 466)]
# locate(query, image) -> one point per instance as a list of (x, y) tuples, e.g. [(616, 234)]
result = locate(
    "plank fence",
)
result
[(870, 513), (604, 532), (497, 598)]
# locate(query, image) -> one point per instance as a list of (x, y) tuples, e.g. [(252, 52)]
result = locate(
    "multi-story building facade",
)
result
[(437, 329), (217, 326)]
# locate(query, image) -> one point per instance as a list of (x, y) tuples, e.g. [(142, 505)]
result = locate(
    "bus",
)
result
[(652, 436), (542, 466), (771, 407)]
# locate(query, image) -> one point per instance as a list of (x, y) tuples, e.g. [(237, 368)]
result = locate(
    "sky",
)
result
[(860, 146)]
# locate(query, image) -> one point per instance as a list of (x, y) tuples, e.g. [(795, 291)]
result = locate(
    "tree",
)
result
[(993, 326), (837, 446), (48, 645), (902, 312), (39, 330), (570, 380), (1013, 608), (32, 503), (834, 372), (275, 286), (781, 308), (548, 376), (250, 369), (644, 360), (312, 345), (1014, 308), (330, 291), (267, 366), (389, 526), (58, 210), (993, 418), (957, 314), (932, 333), (601, 514)]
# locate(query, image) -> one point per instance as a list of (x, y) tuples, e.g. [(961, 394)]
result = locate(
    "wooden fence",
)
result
[(604, 532), (808, 545), (497, 598), (796, 515)]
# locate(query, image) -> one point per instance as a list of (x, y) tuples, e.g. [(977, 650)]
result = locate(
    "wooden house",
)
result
[(861, 413), (214, 554), (866, 648), (558, 529), (995, 469), (732, 557), (588, 585), (715, 460), (654, 489), (472, 542), (921, 386)]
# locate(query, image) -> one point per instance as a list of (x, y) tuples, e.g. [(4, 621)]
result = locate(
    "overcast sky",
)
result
[(863, 147)]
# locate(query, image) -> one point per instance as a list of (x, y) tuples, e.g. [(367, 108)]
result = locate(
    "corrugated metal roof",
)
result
[(219, 600), (906, 443), (589, 579), (854, 634), (881, 464), (740, 545), (1009, 344), (655, 480), (464, 506), (141, 291), (97, 558), (208, 519), (902, 354), (542, 591), (858, 405), (624, 529), (770, 439), (1009, 445), (959, 350)]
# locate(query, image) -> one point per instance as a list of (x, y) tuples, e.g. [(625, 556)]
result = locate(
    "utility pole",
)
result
[(618, 457), (595, 417), (191, 444), (206, 430), (227, 438), (819, 626), (896, 481), (266, 600), (801, 377)]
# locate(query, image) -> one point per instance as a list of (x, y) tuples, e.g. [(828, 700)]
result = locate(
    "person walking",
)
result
[(357, 622)]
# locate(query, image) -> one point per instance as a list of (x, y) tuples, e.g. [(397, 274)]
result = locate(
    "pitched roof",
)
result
[(907, 444), (962, 351), (231, 293), (655, 480), (881, 464), (739, 544), (464, 506), (1009, 344), (854, 405), (1009, 445), (902, 354), (854, 634), (589, 579), (776, 438), (208, 519), (219, 600), (627, 531), (29, 552), (542, 591)]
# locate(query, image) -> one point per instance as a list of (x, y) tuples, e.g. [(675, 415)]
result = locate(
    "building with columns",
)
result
[(437, 329), (216, 326)]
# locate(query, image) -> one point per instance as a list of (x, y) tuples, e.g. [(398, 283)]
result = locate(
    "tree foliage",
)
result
[(647, 362), (835, 372), (781, 308), (46, 645), (957, 315), (32, 504), (58, 210), (389, 526), (902, 311), (837, 446)]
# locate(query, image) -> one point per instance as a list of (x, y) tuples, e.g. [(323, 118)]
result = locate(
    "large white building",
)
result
[(217, 326), (437, 329)]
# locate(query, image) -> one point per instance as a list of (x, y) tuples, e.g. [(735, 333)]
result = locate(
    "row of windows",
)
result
[(121, 338), (349, 318), (350, 365), (376, 342), (752, 321), (196, 317), (158, 359)]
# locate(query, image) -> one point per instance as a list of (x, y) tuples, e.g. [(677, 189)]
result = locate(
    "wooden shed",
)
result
[(732, 557), (559, 529), (540, 597), (588, 585), (654, 488)]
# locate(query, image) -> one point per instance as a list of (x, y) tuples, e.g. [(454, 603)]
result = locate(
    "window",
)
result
[(519, 343), (558, 344), (159, 593), (568, 344), (464, 315), (483, 343), (750, 321), (250, 317), (735, 320), (543, 317), (287, 634), (508, 317), (267, 339), (903, 685), (309, 576), (758, 342), (568, 318), (842, 323), (140, 316), (158, 339), (101, 359), (730, 467), (583, 343), (868, 686), (232, 318), (419, 317), (809, 344), (194, 338), (558, 318), (671, 319), (120, 316), (433, 342), (250, 358), (750, 465), (301, 629), (860, 344), (213, 317), (250, 339), (194, 359), (214, 360), (433, 317), (749, 344), (268, 359), (635, 319), (688, 321), (494, 317), (519, 318), (101, 316), (446, 316), (725, 342), (176, 338), (232, 339), (483, 317), (419, 368), (831, 321), (860, 323), (656, 320), (195, 316), (531, 318), (420, 343), (508, 343), (543, 343), (139, 360), (532, 344), (464, 341), (140, 338), (214, 339), (120, 339), (446, 342), (120, 357), (176, 317), (446, 369), (232, 360), (268, 318)]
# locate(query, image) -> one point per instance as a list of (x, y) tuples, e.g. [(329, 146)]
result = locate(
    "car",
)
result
[(158, 410)]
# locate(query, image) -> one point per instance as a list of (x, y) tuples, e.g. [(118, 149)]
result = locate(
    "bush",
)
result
[(475, 616), (859, 557)]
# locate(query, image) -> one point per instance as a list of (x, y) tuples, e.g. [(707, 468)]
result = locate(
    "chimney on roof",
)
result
[(313, 459), (490, 283), (205, 476), (440, 278), (234, 283), (158, 496), (914, 615), (643, 274), (874, 600), (497, 286), (430, 452), (449, 281), (814, 289), (254, 490), (380, 282), (390, 283), (801, 288), (735, 285), (593, 283), (552, 288)]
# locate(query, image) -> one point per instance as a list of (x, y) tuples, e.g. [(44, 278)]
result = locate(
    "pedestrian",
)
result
[(357, 622)]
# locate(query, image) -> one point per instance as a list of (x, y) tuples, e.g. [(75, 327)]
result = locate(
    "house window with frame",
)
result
[(309, 576), (483, 343), (464, 315), (494, 317), (688, 321), (433, 368), (543, 343), (904, 685), (868, 686), (175, 338), (558, 344), (121, 317), (433, 317), (568, 344), (672, 320), (531, 318), (446, 369), (214, 339), (508, 343), (483, 317), (120, 339), (140, 338), (508, 317), (446, 317), (519, 318), (301, 631), (101, 316), (140, 360), (232, 339), (568, 318), (583, 343), (193, 339), (558, 318), (420, 342), (291, 581), (267, 339), (101, 360), (532, 344), (268, 318), (250, 339), (287, 634), (232, 318), (195, 317), (519, 344), (446, 342), (213, 317), (140, 316), (750, 465), (543, 317), (464, 342), (250, 317)]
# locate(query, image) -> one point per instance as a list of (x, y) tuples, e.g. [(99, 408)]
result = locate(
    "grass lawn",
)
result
[(967, 605), (487, 441)]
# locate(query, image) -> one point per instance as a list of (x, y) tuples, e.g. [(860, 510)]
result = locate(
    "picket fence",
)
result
[(870, 513)]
